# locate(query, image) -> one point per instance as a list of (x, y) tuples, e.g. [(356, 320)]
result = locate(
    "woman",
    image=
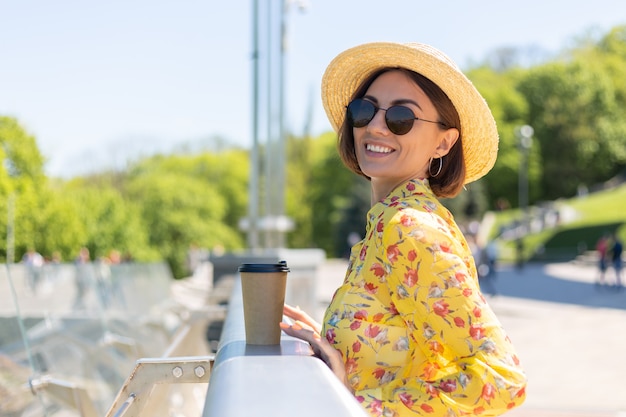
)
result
[(409, 332)]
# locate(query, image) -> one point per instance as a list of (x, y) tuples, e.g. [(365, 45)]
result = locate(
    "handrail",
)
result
[(280, 380)]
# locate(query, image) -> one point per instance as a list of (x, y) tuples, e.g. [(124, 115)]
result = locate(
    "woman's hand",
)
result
[(302, 318), (321, 348)]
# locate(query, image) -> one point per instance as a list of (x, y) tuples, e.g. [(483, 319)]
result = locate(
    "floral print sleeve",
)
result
[(417, 336)]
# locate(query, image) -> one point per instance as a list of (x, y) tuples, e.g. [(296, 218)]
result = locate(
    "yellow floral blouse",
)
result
[(416, 334)]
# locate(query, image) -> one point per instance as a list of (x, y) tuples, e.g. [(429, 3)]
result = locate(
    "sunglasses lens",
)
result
[(400, 119), (360, 112)]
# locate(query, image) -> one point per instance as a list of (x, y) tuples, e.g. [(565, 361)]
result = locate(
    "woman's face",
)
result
[(389, 159)]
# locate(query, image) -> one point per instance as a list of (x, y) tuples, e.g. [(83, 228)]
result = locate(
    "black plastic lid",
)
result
[(279, 267)]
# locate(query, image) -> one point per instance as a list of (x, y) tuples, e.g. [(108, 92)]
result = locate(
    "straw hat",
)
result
[(350, 68)]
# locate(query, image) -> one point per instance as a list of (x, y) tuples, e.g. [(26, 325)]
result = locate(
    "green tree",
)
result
[(301, 152), (510, 110), (179, 210), (335, 196), (352, 216), (610, 58), (108, 221), (22, 184), (227, 170), (614, 43), (60, 230), (573, 109)]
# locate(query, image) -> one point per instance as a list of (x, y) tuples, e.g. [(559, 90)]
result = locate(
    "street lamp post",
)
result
[(253, 204), (524, 135)]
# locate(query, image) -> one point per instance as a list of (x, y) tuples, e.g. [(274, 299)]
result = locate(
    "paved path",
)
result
[(569, 333)]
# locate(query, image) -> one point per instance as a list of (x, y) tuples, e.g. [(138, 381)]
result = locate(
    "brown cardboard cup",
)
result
[(263, 287)]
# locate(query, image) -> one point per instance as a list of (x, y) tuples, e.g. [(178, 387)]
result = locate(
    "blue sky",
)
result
[(98, 82)]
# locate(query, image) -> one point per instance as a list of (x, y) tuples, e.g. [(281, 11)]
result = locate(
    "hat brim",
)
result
[(349, 69)]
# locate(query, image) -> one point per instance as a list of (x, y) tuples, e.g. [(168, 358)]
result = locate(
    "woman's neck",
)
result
[(380, 191), (381, 188)]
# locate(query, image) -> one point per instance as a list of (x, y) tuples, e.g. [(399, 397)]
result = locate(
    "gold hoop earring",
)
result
[(430, 167)]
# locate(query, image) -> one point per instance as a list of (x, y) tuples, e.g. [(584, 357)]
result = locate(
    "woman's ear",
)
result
[(447, 141)]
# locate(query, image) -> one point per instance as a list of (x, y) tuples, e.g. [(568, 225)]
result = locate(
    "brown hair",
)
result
[(450, 180)]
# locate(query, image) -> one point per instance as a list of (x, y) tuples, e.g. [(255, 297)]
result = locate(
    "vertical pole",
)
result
[(524, 135), (281, 148), (522, 186), (269, 166), (253, 206)]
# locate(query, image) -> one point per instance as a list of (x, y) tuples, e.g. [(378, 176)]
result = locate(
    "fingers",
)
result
[(289, 328), (321, 348), (298, 315), (293, 312), (300, 330), (286, 327), (306, 326)]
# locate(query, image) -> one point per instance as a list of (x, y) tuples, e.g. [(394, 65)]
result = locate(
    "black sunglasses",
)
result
[(399, 119)]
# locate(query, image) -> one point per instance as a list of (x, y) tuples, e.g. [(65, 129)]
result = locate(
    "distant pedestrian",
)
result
[(34, 263), (616, 259), (195, 256), (519, 254), (602, 250), (487, 268), (491, 250), (117, 271), (83, 277), (103, 281)]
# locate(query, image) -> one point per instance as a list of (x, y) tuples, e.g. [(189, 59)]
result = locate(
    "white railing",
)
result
[(281, 380)]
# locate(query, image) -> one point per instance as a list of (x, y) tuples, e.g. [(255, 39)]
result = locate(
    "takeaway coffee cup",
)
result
[(263, 287)]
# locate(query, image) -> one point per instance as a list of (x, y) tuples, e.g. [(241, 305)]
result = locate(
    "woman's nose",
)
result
[(378, 123)]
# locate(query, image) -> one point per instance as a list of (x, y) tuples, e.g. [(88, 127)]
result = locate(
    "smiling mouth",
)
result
[(378, 148)]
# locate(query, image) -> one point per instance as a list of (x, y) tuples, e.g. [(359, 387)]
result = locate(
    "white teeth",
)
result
[(377, 148)]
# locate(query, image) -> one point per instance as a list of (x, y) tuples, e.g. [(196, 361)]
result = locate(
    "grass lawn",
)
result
[(582, 221)]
